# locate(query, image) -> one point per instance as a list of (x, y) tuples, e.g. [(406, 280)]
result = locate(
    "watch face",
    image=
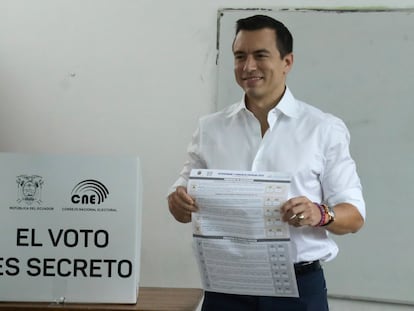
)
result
[(331, 214)]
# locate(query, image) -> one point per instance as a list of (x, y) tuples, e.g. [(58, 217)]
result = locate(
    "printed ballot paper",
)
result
[(240, 242)]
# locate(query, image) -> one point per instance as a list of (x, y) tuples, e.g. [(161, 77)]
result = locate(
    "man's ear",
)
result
[(288, 60)]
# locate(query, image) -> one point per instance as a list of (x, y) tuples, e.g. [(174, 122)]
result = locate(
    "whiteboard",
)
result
[(359, 66)]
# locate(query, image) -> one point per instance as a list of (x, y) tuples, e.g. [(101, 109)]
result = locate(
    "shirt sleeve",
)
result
[(194, 160), (340, 181)]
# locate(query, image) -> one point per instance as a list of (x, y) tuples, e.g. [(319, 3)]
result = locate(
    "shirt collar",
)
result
[(236, 108), (287, 105)]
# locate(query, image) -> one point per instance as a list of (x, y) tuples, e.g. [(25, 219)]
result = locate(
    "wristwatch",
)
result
[(329, 213)]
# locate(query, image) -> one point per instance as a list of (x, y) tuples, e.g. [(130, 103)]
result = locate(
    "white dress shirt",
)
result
[(310, 145)]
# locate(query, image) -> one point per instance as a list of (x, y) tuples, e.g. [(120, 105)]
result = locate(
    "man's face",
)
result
[(258, 68)]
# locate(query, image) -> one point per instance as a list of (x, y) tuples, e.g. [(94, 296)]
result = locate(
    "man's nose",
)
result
[(250, 64)]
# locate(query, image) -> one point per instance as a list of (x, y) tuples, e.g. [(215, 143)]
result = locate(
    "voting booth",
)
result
[(70, 228)]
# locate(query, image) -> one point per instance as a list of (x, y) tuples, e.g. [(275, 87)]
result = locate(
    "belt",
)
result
[(302, 268)]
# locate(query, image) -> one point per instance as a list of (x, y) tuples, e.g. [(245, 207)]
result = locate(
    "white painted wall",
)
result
[(124, 77)]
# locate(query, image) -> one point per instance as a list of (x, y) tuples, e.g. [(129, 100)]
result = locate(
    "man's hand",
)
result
[(181, 205), (300, 211)]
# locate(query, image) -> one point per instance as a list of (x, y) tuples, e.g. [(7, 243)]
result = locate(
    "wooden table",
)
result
[(149, 299)]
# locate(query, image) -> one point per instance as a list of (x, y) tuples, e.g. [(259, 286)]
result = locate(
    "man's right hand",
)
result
[(181, 205)]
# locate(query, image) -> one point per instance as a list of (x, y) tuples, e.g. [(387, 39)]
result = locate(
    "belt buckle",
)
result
[(305, 267)]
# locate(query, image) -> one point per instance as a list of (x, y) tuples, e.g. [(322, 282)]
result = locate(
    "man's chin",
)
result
[(253, 93)]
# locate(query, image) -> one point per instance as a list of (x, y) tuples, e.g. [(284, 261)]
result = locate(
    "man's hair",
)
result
[(284, 39)]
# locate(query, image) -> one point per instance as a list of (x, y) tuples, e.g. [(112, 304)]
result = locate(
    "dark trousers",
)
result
[(312, 297)]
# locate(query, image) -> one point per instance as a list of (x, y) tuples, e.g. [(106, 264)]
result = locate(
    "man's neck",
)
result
[(261, 107)]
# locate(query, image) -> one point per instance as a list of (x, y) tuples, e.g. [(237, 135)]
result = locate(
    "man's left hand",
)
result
[(300, 211)]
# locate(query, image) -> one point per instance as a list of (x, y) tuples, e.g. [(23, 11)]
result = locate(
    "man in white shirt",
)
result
[(270, 130)]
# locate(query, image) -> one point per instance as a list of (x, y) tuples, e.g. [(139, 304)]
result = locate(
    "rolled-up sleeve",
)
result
[(340, 181)]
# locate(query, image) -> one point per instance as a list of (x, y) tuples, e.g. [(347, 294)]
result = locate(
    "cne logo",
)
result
[(89, 191)]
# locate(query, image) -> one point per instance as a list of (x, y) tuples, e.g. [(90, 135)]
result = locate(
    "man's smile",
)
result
[(252, 80)]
